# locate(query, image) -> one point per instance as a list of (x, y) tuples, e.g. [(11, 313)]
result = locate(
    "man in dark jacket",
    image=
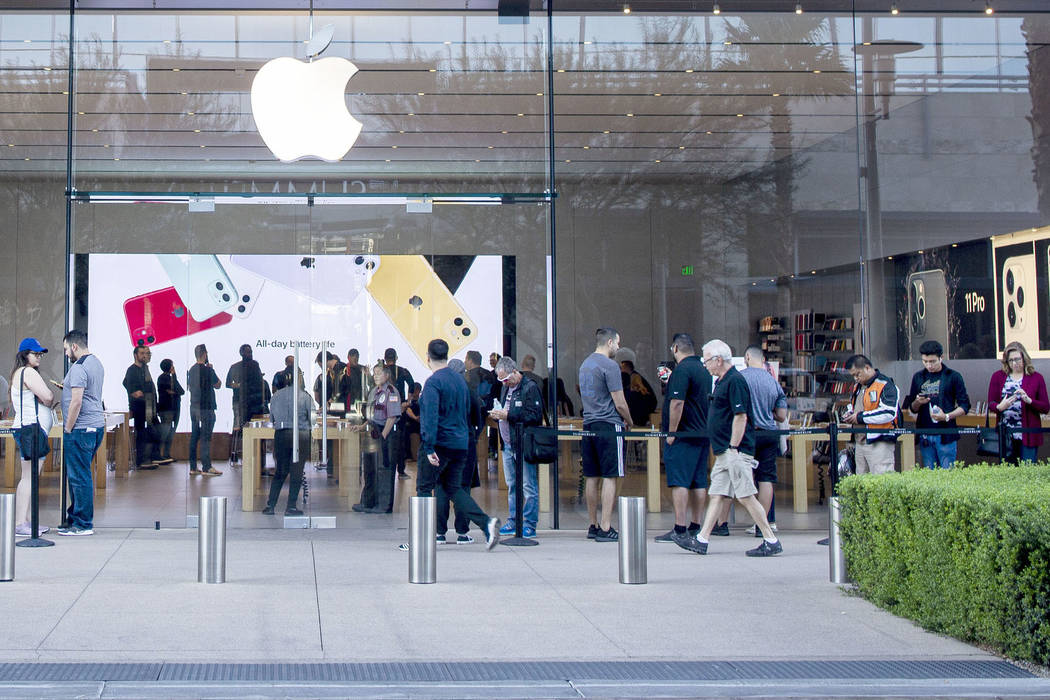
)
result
[(142, 402), (521, 407), (937, 397), (443, 408), (484, 384)]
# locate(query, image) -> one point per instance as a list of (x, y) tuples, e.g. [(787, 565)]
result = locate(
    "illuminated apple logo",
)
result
[(300, 108)]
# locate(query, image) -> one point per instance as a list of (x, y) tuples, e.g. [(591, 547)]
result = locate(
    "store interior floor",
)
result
[(168, 494)]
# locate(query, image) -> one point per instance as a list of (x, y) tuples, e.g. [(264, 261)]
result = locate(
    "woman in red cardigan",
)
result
[(1017, 393)]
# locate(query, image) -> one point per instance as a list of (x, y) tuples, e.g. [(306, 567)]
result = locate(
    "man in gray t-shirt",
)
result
[(85, 428), (768, 405), (605, 411)]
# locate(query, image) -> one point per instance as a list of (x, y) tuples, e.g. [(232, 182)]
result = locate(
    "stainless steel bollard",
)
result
[(422, 545), (211, 540), (633, 565), (7, 536), (837, 563)]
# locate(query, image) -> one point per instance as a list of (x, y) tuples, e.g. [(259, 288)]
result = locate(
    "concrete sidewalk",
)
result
[(342, 595)]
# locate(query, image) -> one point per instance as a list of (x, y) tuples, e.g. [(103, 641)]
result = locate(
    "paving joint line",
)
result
[(80, 595), (317, 596)]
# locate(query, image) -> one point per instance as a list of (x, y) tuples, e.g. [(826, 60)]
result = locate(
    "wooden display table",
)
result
[(347, 458), (801, 446)]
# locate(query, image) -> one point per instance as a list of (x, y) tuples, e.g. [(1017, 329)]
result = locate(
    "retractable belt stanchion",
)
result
[(836, 557), (35, 540), (519, 499)]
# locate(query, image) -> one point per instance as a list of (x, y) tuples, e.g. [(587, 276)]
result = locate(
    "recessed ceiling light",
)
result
[(658, 161), (175, 70), (196, 131), (503, 132), (988, 8), (167, 41), (203, 146), (94, 131), (27, 159), (867, 43), (955, 245), (10, 145), (539, 94), (740, 115), (630, 114), (681, 148), (190, 114), (27, 41), (47, 67), (716, 10), (710, 132), (658, 94), (401, 131), (387, 160), (448, 43), (65, 92), (817, 71), (105, 145), (889, 257), (606, 131), (893, 9), (411, 114), (421, 94), (116, 159), (586, 148), (393, 146), (587, 43), (81, 113), (812, 272), (491, 147), (626, 9), (798, 9), (477, 160), (433, 70), (688, 70), (922, 251), (727, 43), (561, 70), (521, 114)]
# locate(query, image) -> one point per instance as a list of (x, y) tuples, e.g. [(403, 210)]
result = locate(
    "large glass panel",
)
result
[(434, 224), (33, 94), (706, 169), (953, 135)]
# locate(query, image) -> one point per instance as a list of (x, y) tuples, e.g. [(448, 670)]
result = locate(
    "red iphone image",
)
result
[(157, 317)]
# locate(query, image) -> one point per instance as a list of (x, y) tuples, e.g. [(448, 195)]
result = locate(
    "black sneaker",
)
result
[(610, 535), (441, 539), (766, 549), (292, 511), (825, 542), (721, 530), (592, 532), (690, 543), (268, 510), (359, 508), (666, 537)]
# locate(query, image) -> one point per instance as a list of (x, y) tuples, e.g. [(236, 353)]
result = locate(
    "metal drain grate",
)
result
[(514, 671)]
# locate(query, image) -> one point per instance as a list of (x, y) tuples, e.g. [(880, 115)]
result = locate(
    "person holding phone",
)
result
[(169, 405), (32, 402), (1017, 394), (937, 397)]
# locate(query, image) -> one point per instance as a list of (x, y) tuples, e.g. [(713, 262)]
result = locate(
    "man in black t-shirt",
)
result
[(685, 458), (731, 427)]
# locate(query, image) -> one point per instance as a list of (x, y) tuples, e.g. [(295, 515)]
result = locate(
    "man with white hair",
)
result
[(732, 432)]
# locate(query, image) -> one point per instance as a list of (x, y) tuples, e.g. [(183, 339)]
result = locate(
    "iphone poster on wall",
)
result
[(279, 304)]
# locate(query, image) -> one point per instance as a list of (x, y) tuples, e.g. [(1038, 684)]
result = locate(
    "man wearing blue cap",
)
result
[(85, 428)]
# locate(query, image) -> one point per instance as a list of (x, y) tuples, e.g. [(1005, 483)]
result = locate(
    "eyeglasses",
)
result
[(711, 359), (507, 378), (1016, 359)]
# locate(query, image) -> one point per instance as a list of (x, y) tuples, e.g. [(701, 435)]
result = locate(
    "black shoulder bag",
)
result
[(540, 447), (32, 440), (988, 442)]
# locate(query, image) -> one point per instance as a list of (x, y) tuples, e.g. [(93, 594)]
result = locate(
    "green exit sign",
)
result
[(687, 270)]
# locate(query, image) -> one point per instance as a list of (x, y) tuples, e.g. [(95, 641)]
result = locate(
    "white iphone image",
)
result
[(328, 279), (249, 286), (1017, 294), (201, 282)]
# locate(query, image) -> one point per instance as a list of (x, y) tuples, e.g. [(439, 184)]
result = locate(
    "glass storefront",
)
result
[(821, 183)]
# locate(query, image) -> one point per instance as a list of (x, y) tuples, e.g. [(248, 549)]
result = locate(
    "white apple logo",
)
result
[(300, 108)]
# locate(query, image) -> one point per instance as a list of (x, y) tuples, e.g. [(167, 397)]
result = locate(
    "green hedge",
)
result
[(965, 552)]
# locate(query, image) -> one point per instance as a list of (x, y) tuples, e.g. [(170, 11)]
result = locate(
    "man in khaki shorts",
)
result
[(732, 435)]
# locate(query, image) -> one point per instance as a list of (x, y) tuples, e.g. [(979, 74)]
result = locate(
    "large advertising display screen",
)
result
[(286, 304)]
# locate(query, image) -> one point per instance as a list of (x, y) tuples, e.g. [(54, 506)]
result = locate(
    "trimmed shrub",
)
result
[(965, 552)]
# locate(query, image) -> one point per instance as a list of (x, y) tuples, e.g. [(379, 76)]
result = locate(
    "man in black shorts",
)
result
[(605, 411), (685, 458)]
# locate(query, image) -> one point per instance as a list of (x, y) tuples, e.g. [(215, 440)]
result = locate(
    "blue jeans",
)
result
[(79, 448), (202, 423), (531, 490), (937, 454)]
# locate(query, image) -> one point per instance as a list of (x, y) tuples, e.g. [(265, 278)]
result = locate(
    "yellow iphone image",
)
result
[(419, 304)]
